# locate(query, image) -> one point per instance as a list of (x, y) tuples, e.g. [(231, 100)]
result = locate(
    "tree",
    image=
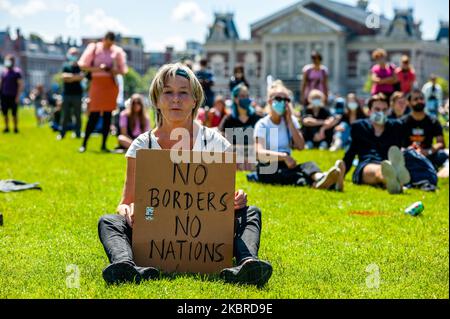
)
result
[(147, 79), (132, 82)]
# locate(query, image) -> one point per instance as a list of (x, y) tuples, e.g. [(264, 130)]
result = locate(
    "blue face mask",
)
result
[(279, 107), (245, 103), (316, 103), (72, 58)]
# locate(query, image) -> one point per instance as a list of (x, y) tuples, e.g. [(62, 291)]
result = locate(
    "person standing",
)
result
[(383, 74), (72, 94), (406, 76), (433, 96), (315, 77), (11, 86), (104, 60), (206, 79)]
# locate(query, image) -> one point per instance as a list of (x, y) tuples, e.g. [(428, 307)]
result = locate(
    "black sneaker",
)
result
[(121, 273), (148, 273), (16, 131), (6, 130), (251, 272)]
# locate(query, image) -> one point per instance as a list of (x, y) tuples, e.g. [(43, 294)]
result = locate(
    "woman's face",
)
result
[(137, 106), (400, 105), (219, 105), (243, 94), (176, 102)]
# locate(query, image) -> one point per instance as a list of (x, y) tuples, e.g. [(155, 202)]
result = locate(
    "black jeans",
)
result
[(115, 235), (92, 122), (301, 175)]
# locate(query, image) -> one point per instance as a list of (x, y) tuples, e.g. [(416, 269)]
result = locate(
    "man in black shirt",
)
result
[(420, 129), (376, 142), (72, 94)]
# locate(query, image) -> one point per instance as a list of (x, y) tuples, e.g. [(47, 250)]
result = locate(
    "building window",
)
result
[(218, 65), (331, 61), (251, 64), (364, 64), (282, 60), (299, 59)]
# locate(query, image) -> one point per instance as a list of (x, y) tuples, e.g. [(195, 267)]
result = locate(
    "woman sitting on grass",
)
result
[(133, 121), (274, 135), (177, 94)]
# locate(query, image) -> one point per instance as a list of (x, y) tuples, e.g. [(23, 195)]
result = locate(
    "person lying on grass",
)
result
[(275, 134), (177, 94)]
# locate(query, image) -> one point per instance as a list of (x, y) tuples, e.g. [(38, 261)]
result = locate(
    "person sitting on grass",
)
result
[(399, 106), (342, 133), (376, 142), (133, 121), (242, 118), (318, 123), (420, 129), (275, 134), (176, 95)]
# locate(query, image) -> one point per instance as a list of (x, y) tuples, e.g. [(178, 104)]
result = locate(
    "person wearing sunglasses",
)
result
[(133, 121), (315, 77), (275, 136), (421, 129)]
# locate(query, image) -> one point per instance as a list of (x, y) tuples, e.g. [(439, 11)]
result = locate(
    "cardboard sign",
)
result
[(184, 213)]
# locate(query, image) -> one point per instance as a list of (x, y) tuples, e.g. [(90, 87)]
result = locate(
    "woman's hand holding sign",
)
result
[(128, 212), (240, 199)]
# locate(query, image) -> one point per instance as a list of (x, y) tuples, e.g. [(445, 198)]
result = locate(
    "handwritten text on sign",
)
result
[(192, 214)]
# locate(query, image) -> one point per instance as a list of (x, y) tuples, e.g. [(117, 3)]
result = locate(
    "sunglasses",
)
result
[(421, 98), (282, 99)]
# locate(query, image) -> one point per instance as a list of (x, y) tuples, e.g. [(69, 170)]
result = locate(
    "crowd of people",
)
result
[(394, 139)]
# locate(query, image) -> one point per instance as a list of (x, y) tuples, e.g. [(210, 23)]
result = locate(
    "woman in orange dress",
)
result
[(104, 60)]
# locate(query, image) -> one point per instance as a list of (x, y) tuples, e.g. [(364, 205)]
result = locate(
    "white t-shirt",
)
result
[(276, 136), (215, 142)]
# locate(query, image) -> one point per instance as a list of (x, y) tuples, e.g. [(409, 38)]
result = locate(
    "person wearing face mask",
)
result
[(399, 106), (377, 141), (72, 94), (420, 129), (318, 123), (242, 118), (342, 132), (384, 78), (11, 86), (276, 135)]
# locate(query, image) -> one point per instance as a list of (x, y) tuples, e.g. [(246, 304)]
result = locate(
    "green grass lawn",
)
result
[(318, 246)]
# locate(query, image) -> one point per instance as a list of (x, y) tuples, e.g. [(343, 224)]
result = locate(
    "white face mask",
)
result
[(378, 118), (352, 106), (8, 63)]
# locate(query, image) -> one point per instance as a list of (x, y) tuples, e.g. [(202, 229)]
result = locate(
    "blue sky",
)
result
[(171, 21)]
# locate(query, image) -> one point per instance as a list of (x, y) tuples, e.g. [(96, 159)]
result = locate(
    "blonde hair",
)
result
[(316, 92), (379, 53), (276, 85), (170, 71)]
